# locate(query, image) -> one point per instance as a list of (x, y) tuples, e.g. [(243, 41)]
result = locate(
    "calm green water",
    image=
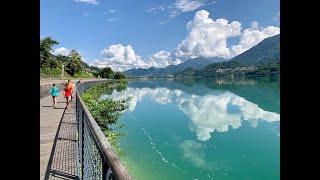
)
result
[(226, 129)]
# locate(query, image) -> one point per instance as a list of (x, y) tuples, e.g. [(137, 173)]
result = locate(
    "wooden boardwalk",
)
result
[(57, 139)]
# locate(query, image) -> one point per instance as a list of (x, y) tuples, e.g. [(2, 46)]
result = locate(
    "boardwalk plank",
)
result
[(57, 140)]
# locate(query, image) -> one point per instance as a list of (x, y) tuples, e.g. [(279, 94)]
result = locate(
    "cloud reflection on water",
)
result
[(193, 151), (208, 113)]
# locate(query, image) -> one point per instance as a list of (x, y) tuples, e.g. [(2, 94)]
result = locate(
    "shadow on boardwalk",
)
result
[(62, 162)]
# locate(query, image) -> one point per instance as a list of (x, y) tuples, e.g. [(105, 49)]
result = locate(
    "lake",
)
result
[(213, 128)]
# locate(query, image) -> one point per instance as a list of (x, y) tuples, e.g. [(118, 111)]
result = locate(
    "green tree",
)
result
[(53, 63), (74, 55), (107, 73), (62, 58), (74, 65), (119, 75), (45, 51), (85, 65), (94, 68)]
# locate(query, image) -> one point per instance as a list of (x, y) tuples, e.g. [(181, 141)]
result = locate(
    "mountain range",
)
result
[(196, 63), (264, 53)]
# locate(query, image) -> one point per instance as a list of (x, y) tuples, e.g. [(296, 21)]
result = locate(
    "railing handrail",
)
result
[(111, 158)]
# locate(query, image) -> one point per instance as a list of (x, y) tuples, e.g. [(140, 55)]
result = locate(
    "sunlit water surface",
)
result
[(226, 129)]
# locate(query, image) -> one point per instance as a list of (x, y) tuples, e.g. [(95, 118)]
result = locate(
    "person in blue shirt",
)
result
[(54, 92)]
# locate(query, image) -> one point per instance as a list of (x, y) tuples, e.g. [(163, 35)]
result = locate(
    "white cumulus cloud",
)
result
[(182, 6), (188, 5), (276, 17), (207, 38), (120, 58), (151, 9), (162, 59), (164, 22), (254, 25), (252, 36), (94, 2), (62, 51), (113, 19), (179, 6)]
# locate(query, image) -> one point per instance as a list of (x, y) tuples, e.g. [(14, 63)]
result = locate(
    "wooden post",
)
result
[(62, 71)]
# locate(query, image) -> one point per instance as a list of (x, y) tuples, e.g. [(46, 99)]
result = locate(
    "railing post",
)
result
[(79, 116), (82, 145), (77, 137)]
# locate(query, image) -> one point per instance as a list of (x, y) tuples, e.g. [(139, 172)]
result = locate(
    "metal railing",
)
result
[(95, 157)]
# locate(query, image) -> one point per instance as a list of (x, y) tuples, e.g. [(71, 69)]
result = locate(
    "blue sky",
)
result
[(124, 34)]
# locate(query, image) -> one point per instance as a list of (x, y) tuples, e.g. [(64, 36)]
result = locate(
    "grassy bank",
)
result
[(56, 73), (52, 73)]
